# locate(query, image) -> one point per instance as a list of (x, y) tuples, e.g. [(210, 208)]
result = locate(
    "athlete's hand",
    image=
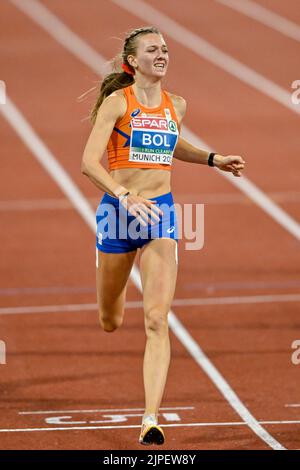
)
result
[(143, 209), (233, 163)]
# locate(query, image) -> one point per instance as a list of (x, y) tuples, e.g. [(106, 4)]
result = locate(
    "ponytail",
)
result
[(112, 82)]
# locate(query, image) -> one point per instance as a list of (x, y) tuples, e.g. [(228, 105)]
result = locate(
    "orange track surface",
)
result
[(62, 361)]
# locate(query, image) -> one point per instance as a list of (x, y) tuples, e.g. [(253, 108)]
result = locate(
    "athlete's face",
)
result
[(152, 56)]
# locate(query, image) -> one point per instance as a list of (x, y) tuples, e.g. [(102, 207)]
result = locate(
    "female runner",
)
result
[(138, 123)]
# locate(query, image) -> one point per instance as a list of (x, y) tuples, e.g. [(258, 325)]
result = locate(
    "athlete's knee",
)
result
[(156, 319), (110, 323)]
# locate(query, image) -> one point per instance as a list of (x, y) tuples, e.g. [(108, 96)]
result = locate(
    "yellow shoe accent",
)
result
[(151, 434)]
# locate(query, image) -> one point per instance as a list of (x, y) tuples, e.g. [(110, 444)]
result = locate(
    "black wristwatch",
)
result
[(211, 159)]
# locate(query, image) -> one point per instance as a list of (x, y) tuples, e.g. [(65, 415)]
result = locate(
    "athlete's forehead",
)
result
[(151, 39)]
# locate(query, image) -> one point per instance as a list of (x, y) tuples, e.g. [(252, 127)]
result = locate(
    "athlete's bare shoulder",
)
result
[(116, 104), (179, 104), (119, 92)]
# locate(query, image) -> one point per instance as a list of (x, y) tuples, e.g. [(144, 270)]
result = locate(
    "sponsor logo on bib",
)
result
[(153, 139)]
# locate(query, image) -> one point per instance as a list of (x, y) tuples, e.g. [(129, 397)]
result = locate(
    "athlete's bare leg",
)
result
[(158, 266), (112, 275)]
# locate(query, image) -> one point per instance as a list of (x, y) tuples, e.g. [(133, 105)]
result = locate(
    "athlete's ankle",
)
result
[(150, 418)]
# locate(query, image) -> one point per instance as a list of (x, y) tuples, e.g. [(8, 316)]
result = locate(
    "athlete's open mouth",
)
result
[(159, 65)]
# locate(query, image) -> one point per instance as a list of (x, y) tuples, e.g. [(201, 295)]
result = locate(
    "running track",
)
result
[(67, 384)]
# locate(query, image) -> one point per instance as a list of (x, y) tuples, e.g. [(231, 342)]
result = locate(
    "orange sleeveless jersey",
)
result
[(144, 137)]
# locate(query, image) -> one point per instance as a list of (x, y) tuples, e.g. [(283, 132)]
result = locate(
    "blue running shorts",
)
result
[(120, 232)]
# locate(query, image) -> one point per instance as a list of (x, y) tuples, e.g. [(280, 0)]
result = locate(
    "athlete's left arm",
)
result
[(189, 153)]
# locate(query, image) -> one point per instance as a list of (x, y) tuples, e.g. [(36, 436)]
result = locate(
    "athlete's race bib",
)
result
[(153, 139)]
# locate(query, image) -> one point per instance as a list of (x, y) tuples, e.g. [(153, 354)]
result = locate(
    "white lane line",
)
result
[(209, 287), (60, 308), (263, 15), (255, 194), (64, 181), (255, 299), (57, 172), (44, 18), (112, 410), (88, 428), (71, 41), (212, 54), (35, 205), (47, 160), (204, 198), (292, 405), (231, 285), (134, 426), (250, 299), (48, 309), (12, 291), (223, 386)]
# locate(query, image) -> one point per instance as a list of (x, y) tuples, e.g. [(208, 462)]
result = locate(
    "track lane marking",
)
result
[(44, 412), (204, 198), (139, 304), (252, 191), (134, 426), (209, 287), (72, 42), (64, 181)]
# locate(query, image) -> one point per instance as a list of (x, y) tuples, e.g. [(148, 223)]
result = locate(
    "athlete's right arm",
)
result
[(112, 108)]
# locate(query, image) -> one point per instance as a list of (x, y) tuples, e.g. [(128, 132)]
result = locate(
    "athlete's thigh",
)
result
[(112, 274), (158, 267)]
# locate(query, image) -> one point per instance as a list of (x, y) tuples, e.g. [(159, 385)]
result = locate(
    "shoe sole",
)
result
[(153, 436)]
